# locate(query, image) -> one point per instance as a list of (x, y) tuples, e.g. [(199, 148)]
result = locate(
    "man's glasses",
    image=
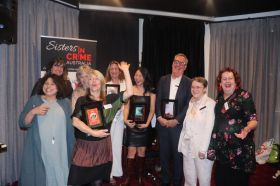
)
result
[(179, 63)]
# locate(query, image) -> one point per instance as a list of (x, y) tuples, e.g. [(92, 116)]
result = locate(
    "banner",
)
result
[(75, 51)]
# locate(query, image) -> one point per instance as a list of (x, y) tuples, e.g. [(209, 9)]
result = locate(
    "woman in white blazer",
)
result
[(195, 136)]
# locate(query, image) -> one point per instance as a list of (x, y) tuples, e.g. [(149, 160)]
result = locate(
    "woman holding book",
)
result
[(92, 159), (138, 114)]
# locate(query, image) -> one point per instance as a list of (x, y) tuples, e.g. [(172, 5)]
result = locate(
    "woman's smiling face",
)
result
[(228, 83), (49, 88)]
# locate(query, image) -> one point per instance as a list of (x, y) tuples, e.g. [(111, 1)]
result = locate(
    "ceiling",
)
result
[(209, 8)]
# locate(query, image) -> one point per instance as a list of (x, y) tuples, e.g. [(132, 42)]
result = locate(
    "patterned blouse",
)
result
[(231, 116)]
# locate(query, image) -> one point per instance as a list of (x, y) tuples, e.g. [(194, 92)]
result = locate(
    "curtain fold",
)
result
[(117, 36), (252, 47), (164, 37), (20, 69)]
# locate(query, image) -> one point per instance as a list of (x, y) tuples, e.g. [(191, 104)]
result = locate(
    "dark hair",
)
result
[(58, 81), (201, 80), (236, 78), (108, 75), (148, 87), (57, 61)]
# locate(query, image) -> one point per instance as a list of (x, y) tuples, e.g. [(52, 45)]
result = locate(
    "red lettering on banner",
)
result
[(81, 57), (81, 50)]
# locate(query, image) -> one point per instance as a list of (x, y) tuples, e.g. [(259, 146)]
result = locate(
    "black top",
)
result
[(143, 103), (231, 116), (110, 107)]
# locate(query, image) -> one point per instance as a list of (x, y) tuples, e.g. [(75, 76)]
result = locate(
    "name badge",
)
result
[(226, 105), (108, 106)]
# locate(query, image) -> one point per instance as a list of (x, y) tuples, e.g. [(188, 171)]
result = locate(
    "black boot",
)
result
[(141, 165), (129, 172)]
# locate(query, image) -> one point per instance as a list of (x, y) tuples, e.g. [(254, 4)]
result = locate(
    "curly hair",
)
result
[(58, 81), (236, 78)]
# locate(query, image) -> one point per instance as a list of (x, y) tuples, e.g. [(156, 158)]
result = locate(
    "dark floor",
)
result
[(262, 177)]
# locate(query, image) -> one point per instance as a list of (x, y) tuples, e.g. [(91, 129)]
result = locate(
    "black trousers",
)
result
[(171, 160), (226, 176)]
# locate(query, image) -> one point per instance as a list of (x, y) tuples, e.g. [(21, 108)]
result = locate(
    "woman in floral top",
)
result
[(232, 144)]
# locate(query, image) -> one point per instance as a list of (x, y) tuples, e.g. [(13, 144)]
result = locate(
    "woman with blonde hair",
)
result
[(82, 79), (114, 76), (92, 159)]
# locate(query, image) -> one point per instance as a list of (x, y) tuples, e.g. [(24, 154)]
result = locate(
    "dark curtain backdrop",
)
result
[(116, 34), (164, 37)]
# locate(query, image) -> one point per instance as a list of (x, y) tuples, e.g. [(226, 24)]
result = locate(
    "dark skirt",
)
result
[(136, 137), (84, 175), (92, 160)]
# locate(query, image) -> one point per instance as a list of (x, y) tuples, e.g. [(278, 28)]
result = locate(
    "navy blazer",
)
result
[(183, 95)]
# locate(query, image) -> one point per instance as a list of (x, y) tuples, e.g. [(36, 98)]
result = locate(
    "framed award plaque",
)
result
[(93, 115), (169, 108), (138, 112), (112, 89)]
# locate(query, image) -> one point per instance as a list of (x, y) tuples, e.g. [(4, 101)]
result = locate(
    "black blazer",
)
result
[(183, 95)]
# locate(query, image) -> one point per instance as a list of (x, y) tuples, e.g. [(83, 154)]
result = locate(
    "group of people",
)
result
[(193, 130)]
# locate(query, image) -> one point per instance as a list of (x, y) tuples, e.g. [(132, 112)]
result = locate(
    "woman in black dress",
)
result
[(232, 143), (138, 113)]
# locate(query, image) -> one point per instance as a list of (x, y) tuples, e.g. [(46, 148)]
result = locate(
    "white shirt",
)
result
[(197, 127), (174, 84)]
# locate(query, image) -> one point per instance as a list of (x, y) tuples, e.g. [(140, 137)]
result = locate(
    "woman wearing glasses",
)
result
[(195, 135)]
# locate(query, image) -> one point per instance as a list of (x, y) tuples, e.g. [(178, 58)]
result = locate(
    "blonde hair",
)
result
[(201, 80), (82, 69), (108, 75), (99, 76)]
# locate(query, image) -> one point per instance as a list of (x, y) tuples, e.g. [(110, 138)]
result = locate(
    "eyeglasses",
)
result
[(179, 63)]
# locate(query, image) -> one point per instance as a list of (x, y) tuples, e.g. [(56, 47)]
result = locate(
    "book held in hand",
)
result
[(93, 115), (169, 108)]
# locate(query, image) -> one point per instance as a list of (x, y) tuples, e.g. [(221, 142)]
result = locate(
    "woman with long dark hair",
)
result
[(58, 67), (138, 122)]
